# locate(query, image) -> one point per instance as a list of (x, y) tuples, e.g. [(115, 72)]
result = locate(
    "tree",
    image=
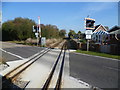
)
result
[(71, 33), (79, 34), (21, 29), (17, 29), (51, 31), (62, 33)]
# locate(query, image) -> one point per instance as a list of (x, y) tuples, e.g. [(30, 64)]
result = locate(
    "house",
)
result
[(114, 35), (114, 40), (99, 34)]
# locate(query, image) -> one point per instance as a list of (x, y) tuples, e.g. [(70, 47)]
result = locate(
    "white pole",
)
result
[(37, 37), (39, 26), (87, 45)]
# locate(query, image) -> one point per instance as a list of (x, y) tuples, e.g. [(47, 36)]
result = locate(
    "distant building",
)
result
[(99, 34)]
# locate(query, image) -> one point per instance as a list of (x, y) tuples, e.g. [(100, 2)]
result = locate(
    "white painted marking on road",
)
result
[(81, 82), (97, 56), (37, 53), (116, 69), (11, 53)]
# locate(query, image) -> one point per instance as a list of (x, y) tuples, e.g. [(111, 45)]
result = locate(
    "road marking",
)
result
[(97, 56), (11, 53), (37, 53), (112, 68)]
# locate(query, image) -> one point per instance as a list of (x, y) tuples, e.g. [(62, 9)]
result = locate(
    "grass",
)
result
[(22, 42), (2, 60), (16, 41), (99, 54)]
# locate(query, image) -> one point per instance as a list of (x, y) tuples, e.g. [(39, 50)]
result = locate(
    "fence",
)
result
[(110, 49)]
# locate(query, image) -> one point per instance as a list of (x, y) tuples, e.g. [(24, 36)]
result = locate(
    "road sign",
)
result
[(88, 36), (43, 41), (35, 28), (36, 34), (88, 32)]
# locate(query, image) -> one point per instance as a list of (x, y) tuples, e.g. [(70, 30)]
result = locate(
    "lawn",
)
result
[(99, 54)]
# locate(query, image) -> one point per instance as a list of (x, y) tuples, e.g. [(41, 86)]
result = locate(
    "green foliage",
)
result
[(17, 29), (21, 29), (79, 32), (62, 33), (99, 54), (71, 33), (50, 31), (83, 41)]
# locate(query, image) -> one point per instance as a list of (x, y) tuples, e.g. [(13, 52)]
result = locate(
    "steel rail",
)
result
[(29, 62), (58, 84), (48, 81)]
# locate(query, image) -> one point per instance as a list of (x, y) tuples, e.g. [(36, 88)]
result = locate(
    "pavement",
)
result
[(97, 71)]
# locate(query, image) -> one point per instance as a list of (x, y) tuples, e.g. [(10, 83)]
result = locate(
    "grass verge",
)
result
[(99, 54), (2, 60), (22, 42)]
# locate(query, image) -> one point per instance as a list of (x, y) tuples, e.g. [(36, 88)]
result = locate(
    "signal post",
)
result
[(89, 26), (37, 31)]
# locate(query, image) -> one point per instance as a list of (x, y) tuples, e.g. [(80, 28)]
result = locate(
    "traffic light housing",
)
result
[(35, 28), (89, 23)]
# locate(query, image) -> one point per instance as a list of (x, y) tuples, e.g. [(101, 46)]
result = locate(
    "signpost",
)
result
[(37, 31), (88, 37), (89, 26)]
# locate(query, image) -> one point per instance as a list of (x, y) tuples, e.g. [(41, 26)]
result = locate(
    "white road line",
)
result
[(97, 56), (11, 53), (37, 53), (112, 68)]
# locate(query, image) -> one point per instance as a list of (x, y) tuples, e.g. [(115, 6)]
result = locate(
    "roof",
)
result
[(101, 33), (114, 29), (96, 27), (115, 32)]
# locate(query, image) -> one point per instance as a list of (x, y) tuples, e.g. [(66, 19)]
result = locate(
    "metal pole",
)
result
[(39, 29), (87, 45), (37, 38)]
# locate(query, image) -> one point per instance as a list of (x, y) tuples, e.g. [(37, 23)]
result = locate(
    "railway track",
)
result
[(11, 76), (59, 63)]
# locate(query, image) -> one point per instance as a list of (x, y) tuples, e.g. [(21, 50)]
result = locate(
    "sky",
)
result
[(65, 15)]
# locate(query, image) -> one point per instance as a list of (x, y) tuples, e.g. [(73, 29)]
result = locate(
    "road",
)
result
[(38, 72), (12, 51), (99, 72), (96, 71)]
